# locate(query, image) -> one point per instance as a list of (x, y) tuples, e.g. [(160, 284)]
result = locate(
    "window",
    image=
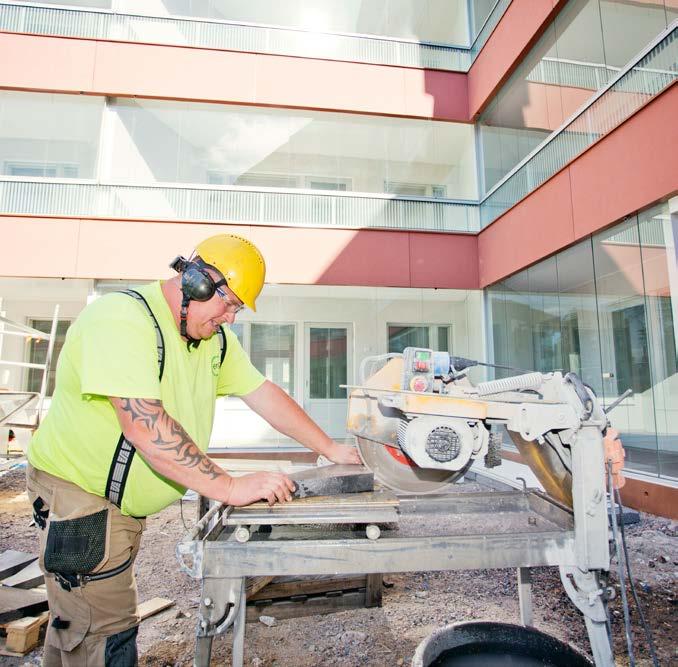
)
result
[(41, 170), (322, 183), (38, 353), (436, 337), (254, 180), (46, 135), (272, 353), (327, 353), (415, 189), (631, 352)]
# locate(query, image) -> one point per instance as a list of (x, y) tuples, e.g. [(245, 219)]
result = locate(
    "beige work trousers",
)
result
[(91, 613)]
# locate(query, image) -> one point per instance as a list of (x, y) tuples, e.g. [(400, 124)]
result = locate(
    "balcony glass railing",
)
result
[(238, 205), (652, 71), (216, 34)]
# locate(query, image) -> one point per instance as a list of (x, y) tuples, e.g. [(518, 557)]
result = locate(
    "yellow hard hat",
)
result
[(239, 262)]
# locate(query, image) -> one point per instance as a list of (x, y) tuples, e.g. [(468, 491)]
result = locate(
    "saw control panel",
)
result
[(418, 369)]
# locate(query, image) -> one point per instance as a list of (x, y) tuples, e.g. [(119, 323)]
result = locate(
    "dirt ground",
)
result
[(413, 604)]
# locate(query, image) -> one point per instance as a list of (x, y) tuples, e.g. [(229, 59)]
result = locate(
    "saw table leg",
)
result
[(238, 654), (525, 595), (586, 592), (203, 651), (600, 643)]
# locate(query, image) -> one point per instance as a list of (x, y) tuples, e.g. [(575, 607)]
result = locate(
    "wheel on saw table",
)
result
[(396, 470)]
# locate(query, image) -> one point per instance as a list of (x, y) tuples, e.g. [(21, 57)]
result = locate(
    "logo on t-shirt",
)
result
[(215, 364)]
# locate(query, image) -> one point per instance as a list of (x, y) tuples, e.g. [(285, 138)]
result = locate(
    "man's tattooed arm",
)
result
[(144, 422), (169, 450)]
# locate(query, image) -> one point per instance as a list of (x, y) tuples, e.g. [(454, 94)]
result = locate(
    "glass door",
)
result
[(328, 365)]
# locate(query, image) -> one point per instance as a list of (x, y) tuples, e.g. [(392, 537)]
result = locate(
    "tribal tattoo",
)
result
[(167, 434)]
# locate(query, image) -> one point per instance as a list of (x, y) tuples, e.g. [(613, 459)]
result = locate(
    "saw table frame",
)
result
[(212, 553)]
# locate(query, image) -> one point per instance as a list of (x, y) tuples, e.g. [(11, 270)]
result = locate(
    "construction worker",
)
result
[(126, 432)]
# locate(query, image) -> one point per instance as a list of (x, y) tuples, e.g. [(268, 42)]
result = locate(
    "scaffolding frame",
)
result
[(13, 402)]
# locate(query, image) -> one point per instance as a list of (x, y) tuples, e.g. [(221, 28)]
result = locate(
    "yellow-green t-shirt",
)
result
[(111, 350)]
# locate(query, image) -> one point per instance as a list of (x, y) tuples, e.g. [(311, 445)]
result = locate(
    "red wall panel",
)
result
[(518, 29), (173, 72)]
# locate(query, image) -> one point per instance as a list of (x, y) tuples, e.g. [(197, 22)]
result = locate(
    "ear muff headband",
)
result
[(196, 282)]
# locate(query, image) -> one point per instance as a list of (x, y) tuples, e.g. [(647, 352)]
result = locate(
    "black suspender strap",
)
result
[(124, 451), (222, 343), (159, 340)]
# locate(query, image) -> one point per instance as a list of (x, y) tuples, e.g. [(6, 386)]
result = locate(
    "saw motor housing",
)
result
[(446, 443)]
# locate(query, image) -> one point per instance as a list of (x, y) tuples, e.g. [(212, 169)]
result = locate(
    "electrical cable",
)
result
[(646, 629), (620, 568)]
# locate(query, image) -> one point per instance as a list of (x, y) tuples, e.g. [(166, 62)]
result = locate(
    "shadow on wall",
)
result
[(405, 259)]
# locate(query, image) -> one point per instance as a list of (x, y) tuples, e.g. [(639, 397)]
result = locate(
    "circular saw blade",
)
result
[(395, 470)]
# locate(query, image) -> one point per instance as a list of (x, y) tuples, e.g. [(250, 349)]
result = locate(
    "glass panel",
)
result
[(402, 336), (444, 335), (671, 11), (238, 329), (273, 353), (659, 240), (496, 316), (98, 4), (52, 136), (525, 112), (38, 354), (545, 314), (327, 362), (580, 65), (578, 314), (480, 10), (422, 20), (624, 340), (279, 148), (628, 27), (518, 322)]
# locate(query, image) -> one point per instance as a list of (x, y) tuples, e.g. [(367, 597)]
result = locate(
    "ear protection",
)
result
[(196, 282), (196, 285)]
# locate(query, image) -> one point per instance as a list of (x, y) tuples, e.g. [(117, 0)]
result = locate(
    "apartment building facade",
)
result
[(496, 178)]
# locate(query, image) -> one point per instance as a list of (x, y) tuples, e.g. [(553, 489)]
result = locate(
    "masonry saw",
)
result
[(421, 423)]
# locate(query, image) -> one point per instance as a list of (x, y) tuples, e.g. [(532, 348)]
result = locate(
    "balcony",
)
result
[(647, 75), (102, 24), (305, 208)]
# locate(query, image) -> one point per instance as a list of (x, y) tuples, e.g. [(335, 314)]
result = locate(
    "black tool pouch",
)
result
[(76, 546)]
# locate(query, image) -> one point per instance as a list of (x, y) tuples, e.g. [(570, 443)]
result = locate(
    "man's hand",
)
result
[(270, 486), (343, 454), (614, 453)]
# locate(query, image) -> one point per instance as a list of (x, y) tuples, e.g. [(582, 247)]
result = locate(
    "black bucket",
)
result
[(490, 644)]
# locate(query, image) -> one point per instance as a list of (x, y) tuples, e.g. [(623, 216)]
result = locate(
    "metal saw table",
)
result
[(381, 533)]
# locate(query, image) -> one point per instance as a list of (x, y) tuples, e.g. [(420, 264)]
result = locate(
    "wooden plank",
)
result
[(23, 634), (319, 605), (308, 587), (373, 590), (153, 606), (255, 584), (12, 561), (13, 599), (29, 577)]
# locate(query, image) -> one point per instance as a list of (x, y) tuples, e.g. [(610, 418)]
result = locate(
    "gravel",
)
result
[(414, 604)]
